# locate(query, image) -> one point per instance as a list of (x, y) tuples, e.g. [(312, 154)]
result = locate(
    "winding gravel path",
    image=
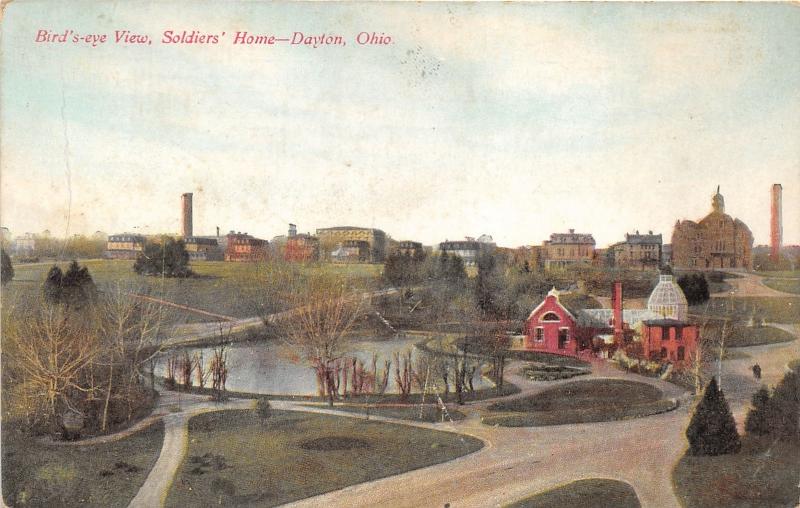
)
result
[(154, 491)]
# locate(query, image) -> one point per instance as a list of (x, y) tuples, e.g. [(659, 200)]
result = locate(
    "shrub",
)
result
[(168, 258), (712, 430), (757, 420), (263, 408), (783, 408), (7, 272)]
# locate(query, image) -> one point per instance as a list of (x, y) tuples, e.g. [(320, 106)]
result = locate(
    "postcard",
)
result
[(435, 254)]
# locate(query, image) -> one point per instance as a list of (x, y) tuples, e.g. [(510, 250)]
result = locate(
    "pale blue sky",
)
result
[(529, 118)]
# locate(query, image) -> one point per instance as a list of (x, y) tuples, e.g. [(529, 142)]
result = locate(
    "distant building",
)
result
[(24, 245), (301, 248), (566, 249), (243, 247), (351, 251), (469, 249), (716, 241), (639, 252), (124, 246), (203, 248), (332, 239), (407, 247)]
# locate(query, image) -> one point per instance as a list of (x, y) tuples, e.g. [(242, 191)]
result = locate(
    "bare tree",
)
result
[(403, 374), (323, 312), (51, 351)]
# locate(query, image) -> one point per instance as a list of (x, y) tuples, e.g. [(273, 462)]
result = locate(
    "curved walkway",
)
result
[(750, 284), (516, 462), (176, 432)]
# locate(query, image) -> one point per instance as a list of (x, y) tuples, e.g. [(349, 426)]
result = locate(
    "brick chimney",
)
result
[(186, 214), (616, 304), (776, 223)]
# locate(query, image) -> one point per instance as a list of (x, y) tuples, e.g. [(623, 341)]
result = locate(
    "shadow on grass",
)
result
[(590, 493)]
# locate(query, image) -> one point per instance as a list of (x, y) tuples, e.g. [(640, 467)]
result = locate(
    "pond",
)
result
[(272, 368)]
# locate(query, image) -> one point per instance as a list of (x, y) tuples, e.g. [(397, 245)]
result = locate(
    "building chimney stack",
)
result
[(776, 223), (186, 214), (616, 303), (292, 230)]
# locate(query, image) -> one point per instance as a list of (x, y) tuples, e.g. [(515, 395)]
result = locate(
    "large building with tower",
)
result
[(714, 242)]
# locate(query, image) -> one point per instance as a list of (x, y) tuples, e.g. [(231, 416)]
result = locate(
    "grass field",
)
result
[(580, 402), (234, 459), (771, 309), (104, 475), (589, 493), (743, 336), (762, 475), (230, 289), (784, 273), (430, 413), (785, 285)]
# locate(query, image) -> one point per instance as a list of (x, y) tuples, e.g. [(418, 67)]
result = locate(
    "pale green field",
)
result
[(232, 289)]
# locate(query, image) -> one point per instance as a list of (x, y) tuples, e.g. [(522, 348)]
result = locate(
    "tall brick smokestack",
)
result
[(776, 223), (616, 304), (186, 215)]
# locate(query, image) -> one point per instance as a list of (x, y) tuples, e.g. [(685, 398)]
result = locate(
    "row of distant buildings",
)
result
[(716, 241)]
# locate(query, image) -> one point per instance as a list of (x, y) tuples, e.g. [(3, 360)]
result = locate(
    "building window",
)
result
[(665, 333), (663, 353), (539, 335), (678, 333), (551, 316), (681, 353), (563, 337)]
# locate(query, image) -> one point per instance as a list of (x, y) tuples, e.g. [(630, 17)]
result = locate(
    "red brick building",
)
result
[(553, 328), (669, 340), (301, 248), (243, 247)]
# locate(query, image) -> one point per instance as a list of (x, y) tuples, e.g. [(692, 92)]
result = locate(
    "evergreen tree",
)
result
[(486, 285), (168, 258), (783, 409), (74, 288), (444, 263), (7, 272), (712, 430), (456, 273), (695, 287), (52, 285), (757, 421)]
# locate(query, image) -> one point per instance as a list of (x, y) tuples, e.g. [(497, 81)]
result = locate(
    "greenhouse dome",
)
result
[(668, 300)]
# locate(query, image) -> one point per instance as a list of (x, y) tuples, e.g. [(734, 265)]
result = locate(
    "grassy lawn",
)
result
[(430, 413), (771, 309), (231, 289), (580, 402), (782, 274), (103, 475), (743, 336), (235, 459), (762, 475), (591, 493), (785, 285)]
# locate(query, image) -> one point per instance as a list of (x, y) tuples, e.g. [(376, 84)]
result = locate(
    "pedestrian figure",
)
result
[(757, 371)]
